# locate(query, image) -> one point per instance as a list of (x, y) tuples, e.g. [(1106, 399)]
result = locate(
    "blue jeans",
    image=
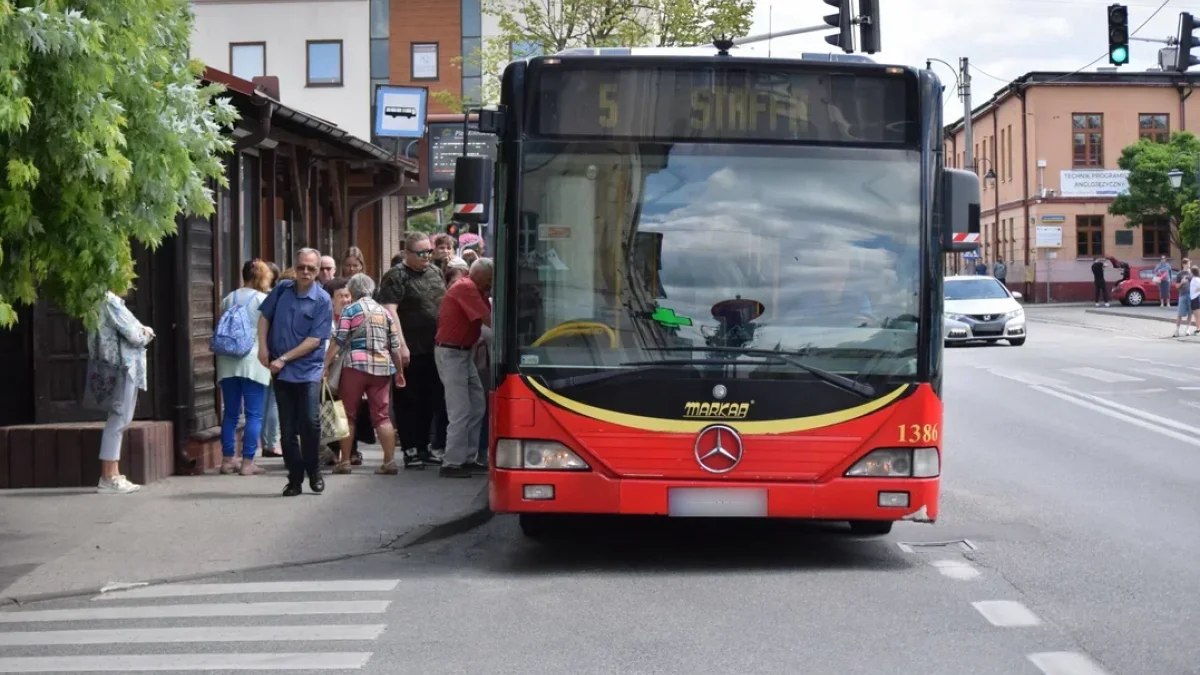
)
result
[(300, 426), (270, 429), (241, 394)]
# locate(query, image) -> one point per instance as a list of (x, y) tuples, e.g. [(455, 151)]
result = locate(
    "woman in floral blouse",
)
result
[(120, 339), (372, 337)]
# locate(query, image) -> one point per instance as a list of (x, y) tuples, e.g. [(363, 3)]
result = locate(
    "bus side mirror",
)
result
[(960, 210), (473, 189)]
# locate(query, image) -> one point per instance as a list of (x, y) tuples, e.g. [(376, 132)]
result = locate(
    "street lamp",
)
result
[(1176, 178), (990, 175)]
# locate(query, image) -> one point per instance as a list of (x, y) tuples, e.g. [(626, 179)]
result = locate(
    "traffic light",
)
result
[(844, 22), (868, 26), (1187, 41), (452, 229), (1118, 34)]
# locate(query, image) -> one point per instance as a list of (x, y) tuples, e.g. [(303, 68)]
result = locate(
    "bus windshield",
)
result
[(634, 252)]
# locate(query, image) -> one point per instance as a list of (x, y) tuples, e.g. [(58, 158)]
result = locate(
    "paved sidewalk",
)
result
[(1145, 322), (66, 541)]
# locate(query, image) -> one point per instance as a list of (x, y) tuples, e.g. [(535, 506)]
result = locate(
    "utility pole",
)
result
[(964, 90)]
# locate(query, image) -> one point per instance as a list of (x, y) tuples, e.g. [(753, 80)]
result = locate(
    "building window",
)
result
[(380, 68), (424, 61), (472, 51), (1008, 150), (1156, 239), (473, 90), (1123, 237), (1087, 139), (380, 18), (1155, 126), (324, 63), (472, 18), (247, 60), (1089, 236), (1000, 154)]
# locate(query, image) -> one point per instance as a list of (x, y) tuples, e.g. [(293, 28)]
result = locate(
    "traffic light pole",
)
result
[(763, 37)]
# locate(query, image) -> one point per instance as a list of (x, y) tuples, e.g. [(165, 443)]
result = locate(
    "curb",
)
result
[(478, 513), (1130, 315), (475, 515)]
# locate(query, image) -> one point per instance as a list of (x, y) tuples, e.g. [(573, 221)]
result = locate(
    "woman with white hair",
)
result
[(367, 331)]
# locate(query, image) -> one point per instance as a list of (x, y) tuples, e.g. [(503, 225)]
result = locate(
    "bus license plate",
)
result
[(716, 503)]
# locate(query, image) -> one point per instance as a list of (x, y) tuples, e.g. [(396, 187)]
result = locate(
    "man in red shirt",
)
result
[(464, 315)]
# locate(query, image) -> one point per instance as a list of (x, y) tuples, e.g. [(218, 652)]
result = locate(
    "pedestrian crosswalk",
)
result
[(275, 626), (1117, 376)]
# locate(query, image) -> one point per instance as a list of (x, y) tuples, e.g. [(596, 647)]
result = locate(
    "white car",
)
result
[(981, 309)]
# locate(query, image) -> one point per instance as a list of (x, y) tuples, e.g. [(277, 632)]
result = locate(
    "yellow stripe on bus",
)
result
[(785, 426)]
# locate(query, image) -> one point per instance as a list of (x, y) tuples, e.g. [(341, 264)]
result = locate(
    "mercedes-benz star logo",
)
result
[(719, 392), (718, 449)]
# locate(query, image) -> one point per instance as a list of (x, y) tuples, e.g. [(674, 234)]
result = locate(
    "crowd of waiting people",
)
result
[(406, 357)]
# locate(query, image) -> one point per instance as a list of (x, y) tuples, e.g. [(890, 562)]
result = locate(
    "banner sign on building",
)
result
[(1093, 183), (400, 111), (446, 145)]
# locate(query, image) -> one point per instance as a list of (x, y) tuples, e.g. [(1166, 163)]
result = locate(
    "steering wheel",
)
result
[(578, 327)]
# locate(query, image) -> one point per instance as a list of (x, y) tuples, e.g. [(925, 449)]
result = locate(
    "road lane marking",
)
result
[(1175, 366), (1127, 392), (1165, 374), (129, 636), (195, 611), (1020, 376), (194, 590), (960, 570), (1065, 663), (1106, 376), (185, 662), (1007, 613), (1184, 438), (1130, 410)]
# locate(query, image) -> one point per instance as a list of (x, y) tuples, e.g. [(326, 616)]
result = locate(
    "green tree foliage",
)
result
[(1150, 195), (540, 27), (105, 135)]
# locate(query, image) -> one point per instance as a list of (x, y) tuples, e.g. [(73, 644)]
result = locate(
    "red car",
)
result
[(1140, 287)]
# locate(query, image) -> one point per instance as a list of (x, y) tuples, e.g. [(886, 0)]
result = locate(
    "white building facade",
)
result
[(319, 50)]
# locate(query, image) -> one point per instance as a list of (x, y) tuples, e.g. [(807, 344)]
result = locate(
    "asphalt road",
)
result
[(1069, 472)]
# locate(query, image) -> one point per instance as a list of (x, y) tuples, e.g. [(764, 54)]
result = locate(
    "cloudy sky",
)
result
[(1002, 38)]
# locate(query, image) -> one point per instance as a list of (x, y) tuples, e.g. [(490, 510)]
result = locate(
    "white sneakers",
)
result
[(118, 485)]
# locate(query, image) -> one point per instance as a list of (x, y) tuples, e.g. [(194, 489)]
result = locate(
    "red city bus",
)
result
[(718, 287)]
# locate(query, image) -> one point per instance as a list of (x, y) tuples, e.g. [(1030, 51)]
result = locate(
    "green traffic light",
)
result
[(1120, 55)]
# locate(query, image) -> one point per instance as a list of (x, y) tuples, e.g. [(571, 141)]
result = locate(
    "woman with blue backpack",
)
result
[(244, 380)]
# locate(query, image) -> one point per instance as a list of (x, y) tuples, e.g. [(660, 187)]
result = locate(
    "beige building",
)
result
[(1046, 147)]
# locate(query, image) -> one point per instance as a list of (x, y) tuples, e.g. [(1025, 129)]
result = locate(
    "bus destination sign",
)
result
[(699, 102)]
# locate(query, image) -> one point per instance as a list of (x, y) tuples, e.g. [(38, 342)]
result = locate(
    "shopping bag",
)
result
[(334, 425), (104, 383)]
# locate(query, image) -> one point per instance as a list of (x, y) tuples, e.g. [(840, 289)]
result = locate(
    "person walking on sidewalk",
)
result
[(466, 313), (244, 381), (270, 428), (297, 319), (370, 337), (119, 339), (1000, 271)]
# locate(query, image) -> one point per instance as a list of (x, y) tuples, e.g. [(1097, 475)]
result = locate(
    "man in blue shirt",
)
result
[(297, 319)]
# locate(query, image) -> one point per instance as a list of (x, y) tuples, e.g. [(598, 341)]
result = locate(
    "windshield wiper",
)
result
[(840, 381)]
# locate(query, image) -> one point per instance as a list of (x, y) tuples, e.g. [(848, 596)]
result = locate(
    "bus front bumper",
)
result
[(890, 499)]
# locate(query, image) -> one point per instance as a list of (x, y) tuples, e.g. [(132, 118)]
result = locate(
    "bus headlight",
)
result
[(898, 463), (512, 453)]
